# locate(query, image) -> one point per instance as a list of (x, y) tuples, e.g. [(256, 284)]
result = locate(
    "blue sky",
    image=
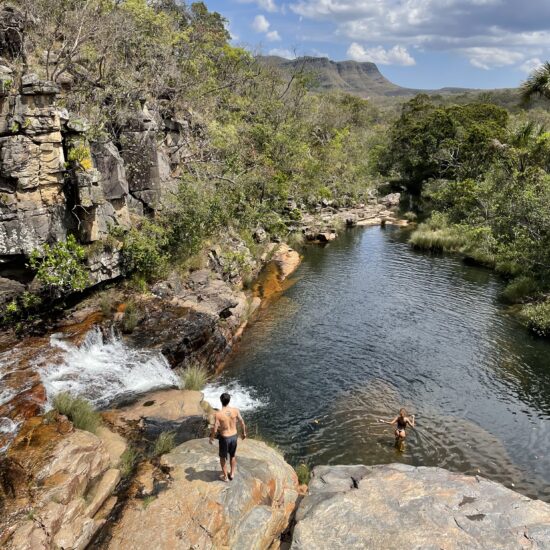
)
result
[(415, 43)]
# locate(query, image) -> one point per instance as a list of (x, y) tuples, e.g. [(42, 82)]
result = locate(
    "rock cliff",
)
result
[(398, 506), (55, 179)]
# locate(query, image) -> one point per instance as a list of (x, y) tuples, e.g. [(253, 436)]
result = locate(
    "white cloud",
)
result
[(282, 52), (488, 58), (260, 24), (483, 30), (529, 65), (267, 5), (273, 36), (398, 55)]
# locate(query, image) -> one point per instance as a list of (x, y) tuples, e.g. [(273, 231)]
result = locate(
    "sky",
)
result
[(415, 43)]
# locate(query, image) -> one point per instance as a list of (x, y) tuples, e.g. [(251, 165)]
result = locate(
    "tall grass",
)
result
[(520, 288), (78, 410), (128, 461), (441, 239), (194, 378)]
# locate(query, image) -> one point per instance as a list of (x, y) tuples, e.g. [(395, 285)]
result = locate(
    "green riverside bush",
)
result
[(537, 317)]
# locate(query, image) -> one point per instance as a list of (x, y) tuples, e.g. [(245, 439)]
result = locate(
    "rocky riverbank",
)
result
[(62, 487)]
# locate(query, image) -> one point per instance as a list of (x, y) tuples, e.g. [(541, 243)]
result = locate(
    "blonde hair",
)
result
[(402, 412)]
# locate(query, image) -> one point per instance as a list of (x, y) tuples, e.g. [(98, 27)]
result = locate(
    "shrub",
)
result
[(78, 410), (81, 155), (410, 216), (145, 250), (194, 377), (537, 317), (164, 443), (519, 288), (60, 267), (303, 472), (128, 461)]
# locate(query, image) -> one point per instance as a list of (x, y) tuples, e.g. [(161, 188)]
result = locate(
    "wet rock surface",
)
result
[(398, 506), (198, 510)]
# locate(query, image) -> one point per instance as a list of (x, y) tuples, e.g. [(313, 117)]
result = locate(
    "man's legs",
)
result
[(233, 467), (223, 462)]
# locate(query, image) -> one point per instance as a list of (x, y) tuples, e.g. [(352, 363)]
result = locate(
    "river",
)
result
[(369, 325)]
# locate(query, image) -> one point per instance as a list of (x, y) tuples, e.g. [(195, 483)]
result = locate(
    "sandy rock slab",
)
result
[(200, 511), (401, 507)]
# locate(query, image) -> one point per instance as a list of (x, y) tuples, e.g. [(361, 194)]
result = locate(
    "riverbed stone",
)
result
[(398, 506), (200, 511)]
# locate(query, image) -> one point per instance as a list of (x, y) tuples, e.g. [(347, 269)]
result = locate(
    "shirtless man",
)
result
[(225, 422)]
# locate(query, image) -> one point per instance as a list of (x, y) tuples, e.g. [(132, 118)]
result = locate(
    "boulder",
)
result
[(65, 487), (180, 412), (391, 200), (398, 506), (9, 290), (286, 259), (198, 510)]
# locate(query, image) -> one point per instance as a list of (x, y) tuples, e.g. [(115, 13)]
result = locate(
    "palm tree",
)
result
[(538, 84)]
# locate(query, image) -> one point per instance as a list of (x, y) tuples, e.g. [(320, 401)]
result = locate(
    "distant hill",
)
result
[(354, 77)]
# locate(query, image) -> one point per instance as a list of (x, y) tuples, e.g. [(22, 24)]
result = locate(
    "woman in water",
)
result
[(401, 422)]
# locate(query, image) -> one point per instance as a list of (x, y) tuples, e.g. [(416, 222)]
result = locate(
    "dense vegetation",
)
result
[(257, 138), (262, 147), (484, 176)]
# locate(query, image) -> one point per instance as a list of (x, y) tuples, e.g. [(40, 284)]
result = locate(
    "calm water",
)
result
[(370, 325)]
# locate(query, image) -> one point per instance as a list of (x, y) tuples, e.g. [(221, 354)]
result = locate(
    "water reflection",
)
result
[(373, 326)]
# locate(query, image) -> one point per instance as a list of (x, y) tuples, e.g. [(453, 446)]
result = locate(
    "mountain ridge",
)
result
[(362, 78)]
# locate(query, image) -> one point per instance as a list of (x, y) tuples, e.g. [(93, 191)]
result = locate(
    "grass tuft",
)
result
[(303, 472), (194, 378), (131, 318), (78, 410), (128, 461), (164, 443)]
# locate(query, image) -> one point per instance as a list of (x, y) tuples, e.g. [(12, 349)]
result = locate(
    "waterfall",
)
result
[(104, 370)]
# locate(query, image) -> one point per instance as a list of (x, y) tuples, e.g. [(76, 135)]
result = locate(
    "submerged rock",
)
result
[(399, 506), (198, 510)]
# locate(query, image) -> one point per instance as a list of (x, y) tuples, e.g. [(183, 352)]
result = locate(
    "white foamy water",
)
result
[(241, 397), (105, 371), (8, 430)]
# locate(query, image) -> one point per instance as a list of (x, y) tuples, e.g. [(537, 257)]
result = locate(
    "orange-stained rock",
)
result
[(198, 510), (287, 260)]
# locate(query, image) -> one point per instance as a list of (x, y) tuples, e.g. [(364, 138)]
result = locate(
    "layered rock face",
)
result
[(398, 506), (32, 204), (198, 510)]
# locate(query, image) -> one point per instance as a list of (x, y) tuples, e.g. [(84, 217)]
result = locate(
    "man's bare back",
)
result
[(227, 421)]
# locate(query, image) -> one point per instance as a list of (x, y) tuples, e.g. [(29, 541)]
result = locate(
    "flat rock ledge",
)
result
[(401, 507), (197, 510)]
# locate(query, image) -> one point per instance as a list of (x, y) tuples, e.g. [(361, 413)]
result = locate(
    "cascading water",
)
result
[(105, 370)]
